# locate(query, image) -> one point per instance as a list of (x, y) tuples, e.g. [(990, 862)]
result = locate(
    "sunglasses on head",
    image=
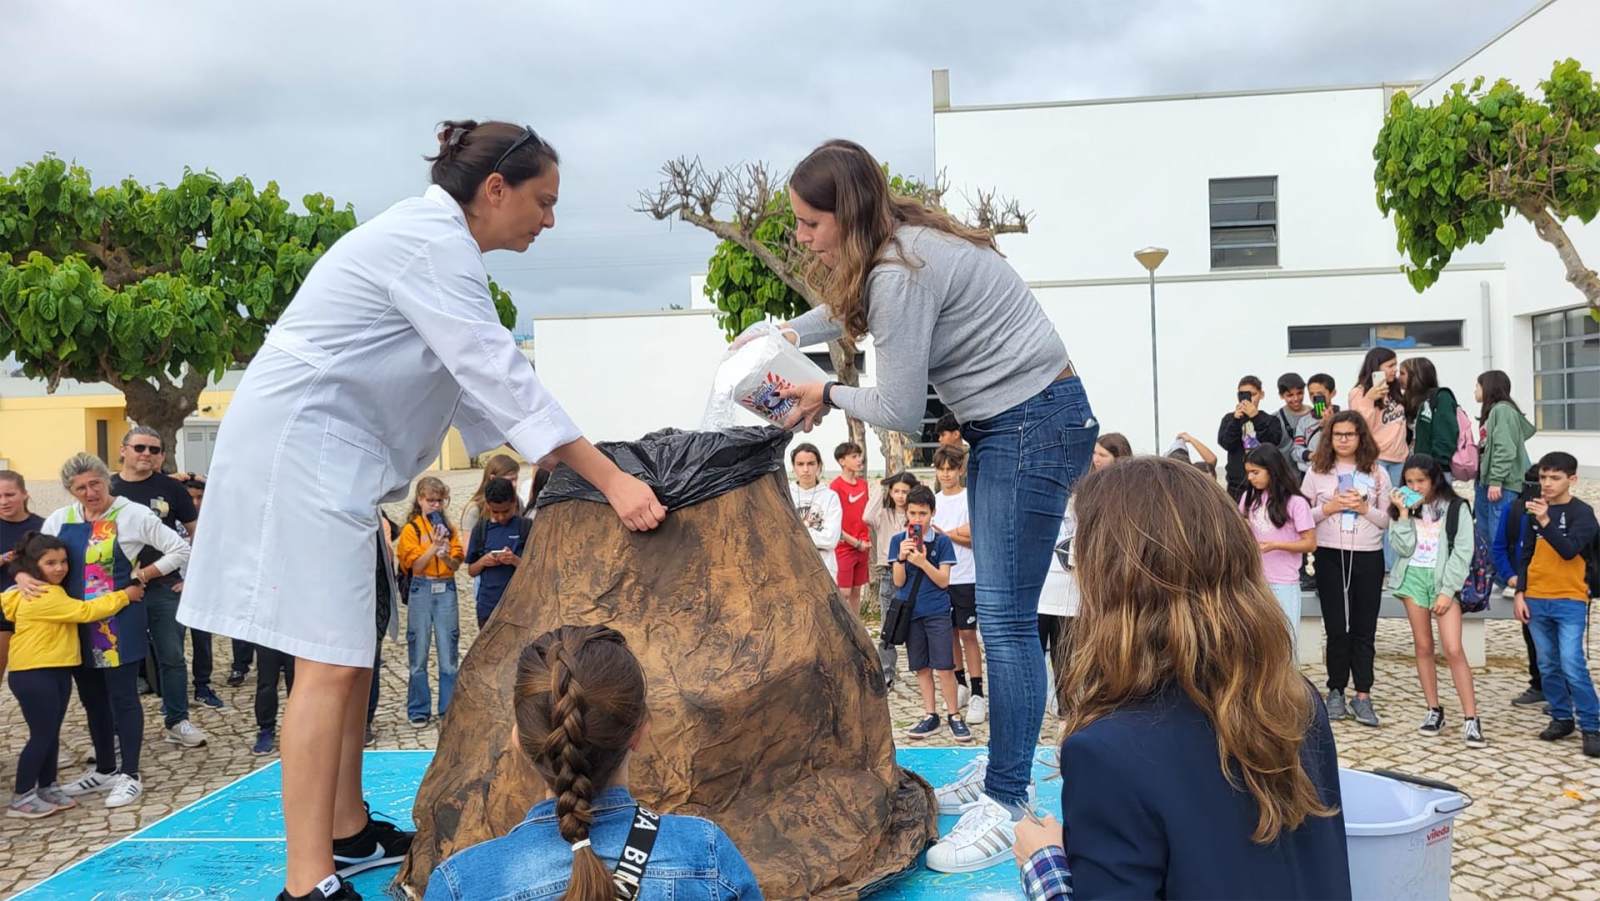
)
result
[(145, 448), (528, 137)]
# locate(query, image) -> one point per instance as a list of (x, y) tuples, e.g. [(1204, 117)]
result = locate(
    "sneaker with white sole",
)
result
[(92, 781), (186, 734), (963, 695), (379, 844), (928, 725), (981, 839), (54, 795), (968, 787), (977, 709), (124, 791), (29, 807), (1472, 733)]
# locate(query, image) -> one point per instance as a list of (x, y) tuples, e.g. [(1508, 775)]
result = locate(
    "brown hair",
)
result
[(498, 467), (1173, 596), (469, 151), (431, 485), (1366, 448), (1422, 383), (842, 178), (948, 456), (579, 700), (15, 478), (1116, 444)]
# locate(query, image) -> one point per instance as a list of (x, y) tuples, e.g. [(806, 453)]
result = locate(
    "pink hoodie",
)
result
[(1387, 423), (1320, 487)]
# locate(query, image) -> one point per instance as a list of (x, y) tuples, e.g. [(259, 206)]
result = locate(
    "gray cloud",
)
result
[(342, 97)]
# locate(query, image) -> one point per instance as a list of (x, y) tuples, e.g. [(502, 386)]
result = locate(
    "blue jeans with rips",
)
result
[(1020, 473)]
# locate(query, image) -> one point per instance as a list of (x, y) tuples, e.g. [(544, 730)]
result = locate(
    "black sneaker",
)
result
[(235, 679), (1472, 733), (1433, 722), (206, 696), (1591, 744), (928, 726), (330, 889), (379, 844), (1529, 697), (1558, 729)]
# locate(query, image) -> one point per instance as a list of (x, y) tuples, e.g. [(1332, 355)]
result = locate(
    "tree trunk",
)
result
[(893, 446), (162, 406), (1549, 228), (843, 354)]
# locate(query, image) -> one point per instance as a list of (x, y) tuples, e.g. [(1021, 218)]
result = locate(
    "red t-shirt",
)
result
[(853, 499)]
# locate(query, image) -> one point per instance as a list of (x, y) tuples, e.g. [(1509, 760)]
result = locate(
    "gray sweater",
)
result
[(963, 321)]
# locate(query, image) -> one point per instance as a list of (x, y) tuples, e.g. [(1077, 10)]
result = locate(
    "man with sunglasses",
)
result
[(142, 481)]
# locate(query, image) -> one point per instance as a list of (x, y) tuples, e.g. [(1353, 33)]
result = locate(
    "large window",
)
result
[(1244, 222), (1566, 371), (1310, 339)]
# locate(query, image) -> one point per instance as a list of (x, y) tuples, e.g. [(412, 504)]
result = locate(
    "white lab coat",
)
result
[(823, 518), (391, 340)]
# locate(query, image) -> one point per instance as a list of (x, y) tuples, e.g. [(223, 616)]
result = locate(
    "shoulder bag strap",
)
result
[(636, 853)]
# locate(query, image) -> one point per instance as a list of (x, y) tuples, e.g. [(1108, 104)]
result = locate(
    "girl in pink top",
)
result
[(1376, 396), (1281, 519), (1349, 492)]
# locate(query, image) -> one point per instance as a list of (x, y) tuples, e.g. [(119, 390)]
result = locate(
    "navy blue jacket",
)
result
[(1149, 814)]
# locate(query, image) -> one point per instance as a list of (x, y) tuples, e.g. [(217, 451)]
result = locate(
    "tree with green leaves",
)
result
[(1451, 171), (158, 290), (755, 273)]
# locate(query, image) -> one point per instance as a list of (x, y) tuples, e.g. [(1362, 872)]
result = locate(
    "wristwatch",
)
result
[(827, 393)]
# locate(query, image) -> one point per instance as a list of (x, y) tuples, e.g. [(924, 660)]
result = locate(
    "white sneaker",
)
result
[(968, 787), (978, 710), (981, 839), (1509, 594), (963, 695), (91, 782), (186, 734), (124, 791)]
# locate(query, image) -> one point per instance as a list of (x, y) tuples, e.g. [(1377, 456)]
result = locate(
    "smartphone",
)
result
[(1245, 397), (1319, 405), (1379, 378), (1347, 482), (914, 532), (1408, 497), (437, 519)]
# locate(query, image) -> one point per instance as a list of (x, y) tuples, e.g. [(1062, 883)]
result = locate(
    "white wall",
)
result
[(624, 375), (1214, 332), (1105, 179)]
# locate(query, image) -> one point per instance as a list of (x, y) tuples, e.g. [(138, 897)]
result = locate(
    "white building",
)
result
[(1280, 260)]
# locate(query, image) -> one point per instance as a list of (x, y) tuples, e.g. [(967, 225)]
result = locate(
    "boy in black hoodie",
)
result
[(1553, 599), (1247, 427)]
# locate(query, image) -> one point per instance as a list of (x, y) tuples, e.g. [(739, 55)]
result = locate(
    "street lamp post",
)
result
[(1150, 258)]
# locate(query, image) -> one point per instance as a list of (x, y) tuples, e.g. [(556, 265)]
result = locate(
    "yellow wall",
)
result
[(38, 434)]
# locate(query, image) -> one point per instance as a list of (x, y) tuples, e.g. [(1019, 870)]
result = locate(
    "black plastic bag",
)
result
[(684, 468)]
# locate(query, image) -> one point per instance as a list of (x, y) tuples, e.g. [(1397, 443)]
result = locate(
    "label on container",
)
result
[(766, 402)]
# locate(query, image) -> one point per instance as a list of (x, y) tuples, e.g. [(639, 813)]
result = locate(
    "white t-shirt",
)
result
[(823, 517), (950, 512), (1060, 594)]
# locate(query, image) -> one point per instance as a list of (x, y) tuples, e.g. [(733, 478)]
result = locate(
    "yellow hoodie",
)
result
[(47, 634)]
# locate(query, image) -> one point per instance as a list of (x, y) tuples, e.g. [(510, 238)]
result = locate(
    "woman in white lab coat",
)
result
[(392, 339)]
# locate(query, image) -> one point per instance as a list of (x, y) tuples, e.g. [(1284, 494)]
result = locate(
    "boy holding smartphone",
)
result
[(1245, 429), (923, 561)]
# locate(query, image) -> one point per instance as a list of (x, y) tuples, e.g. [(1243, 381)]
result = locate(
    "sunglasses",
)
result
[(528, 137), (145, 448)]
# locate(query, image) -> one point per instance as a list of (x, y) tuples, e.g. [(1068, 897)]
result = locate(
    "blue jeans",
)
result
[(1486, 521), (1557, 627), (1020, 473), (1397, 477), (166, 641), (432, 616)]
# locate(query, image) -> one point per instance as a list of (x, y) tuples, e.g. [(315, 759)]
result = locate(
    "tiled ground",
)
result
[(1534, 831)]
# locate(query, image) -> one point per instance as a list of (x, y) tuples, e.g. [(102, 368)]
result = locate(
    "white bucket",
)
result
[(1399, 829)]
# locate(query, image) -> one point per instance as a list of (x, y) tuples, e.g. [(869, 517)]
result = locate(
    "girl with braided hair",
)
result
[(580, 714)]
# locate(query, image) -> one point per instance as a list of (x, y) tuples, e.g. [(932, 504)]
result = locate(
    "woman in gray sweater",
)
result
[(944, 307)]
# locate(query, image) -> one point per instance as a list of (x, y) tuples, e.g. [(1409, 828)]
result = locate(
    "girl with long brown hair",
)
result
[(1198, 763), (1349, 493), (581, 714), (500, 466), (944, 308)]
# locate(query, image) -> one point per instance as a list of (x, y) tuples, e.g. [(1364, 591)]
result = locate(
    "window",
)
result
[(1566, 371), (1306, 339), (1244, 222), (825, 362), (925, 443)]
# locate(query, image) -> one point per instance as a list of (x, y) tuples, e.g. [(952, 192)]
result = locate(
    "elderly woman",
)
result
[(104, 535)]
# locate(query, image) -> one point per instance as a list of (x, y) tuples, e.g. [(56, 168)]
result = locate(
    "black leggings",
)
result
[(43, 695), (269, 662), (110, 699), (1352, 633), (1053, 639)]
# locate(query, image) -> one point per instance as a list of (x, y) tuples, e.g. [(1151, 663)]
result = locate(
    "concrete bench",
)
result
[(1472, 625)]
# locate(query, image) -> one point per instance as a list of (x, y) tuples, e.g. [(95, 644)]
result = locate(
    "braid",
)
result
[(564, 747)]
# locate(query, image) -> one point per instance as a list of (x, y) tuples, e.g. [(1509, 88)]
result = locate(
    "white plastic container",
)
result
[(1400, 830), (752, 376)]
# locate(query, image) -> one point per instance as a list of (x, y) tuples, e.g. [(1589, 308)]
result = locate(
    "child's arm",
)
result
[(476, 561), (1459, 564), (1580, 531), (1306, 544), (897, 562), (1403, 536), (961, 535), (57, 607), (939, 575), (1206, 455), (410, 551), (1229, 434), (452, 560), (1378, 510)]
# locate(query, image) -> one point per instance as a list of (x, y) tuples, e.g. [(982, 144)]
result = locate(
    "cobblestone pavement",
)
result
[(1533, 831)]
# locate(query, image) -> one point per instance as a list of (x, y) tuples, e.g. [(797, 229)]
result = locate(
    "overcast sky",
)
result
[(342, 97)]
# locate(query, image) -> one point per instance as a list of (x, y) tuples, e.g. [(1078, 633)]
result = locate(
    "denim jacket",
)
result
[(693, 859)]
